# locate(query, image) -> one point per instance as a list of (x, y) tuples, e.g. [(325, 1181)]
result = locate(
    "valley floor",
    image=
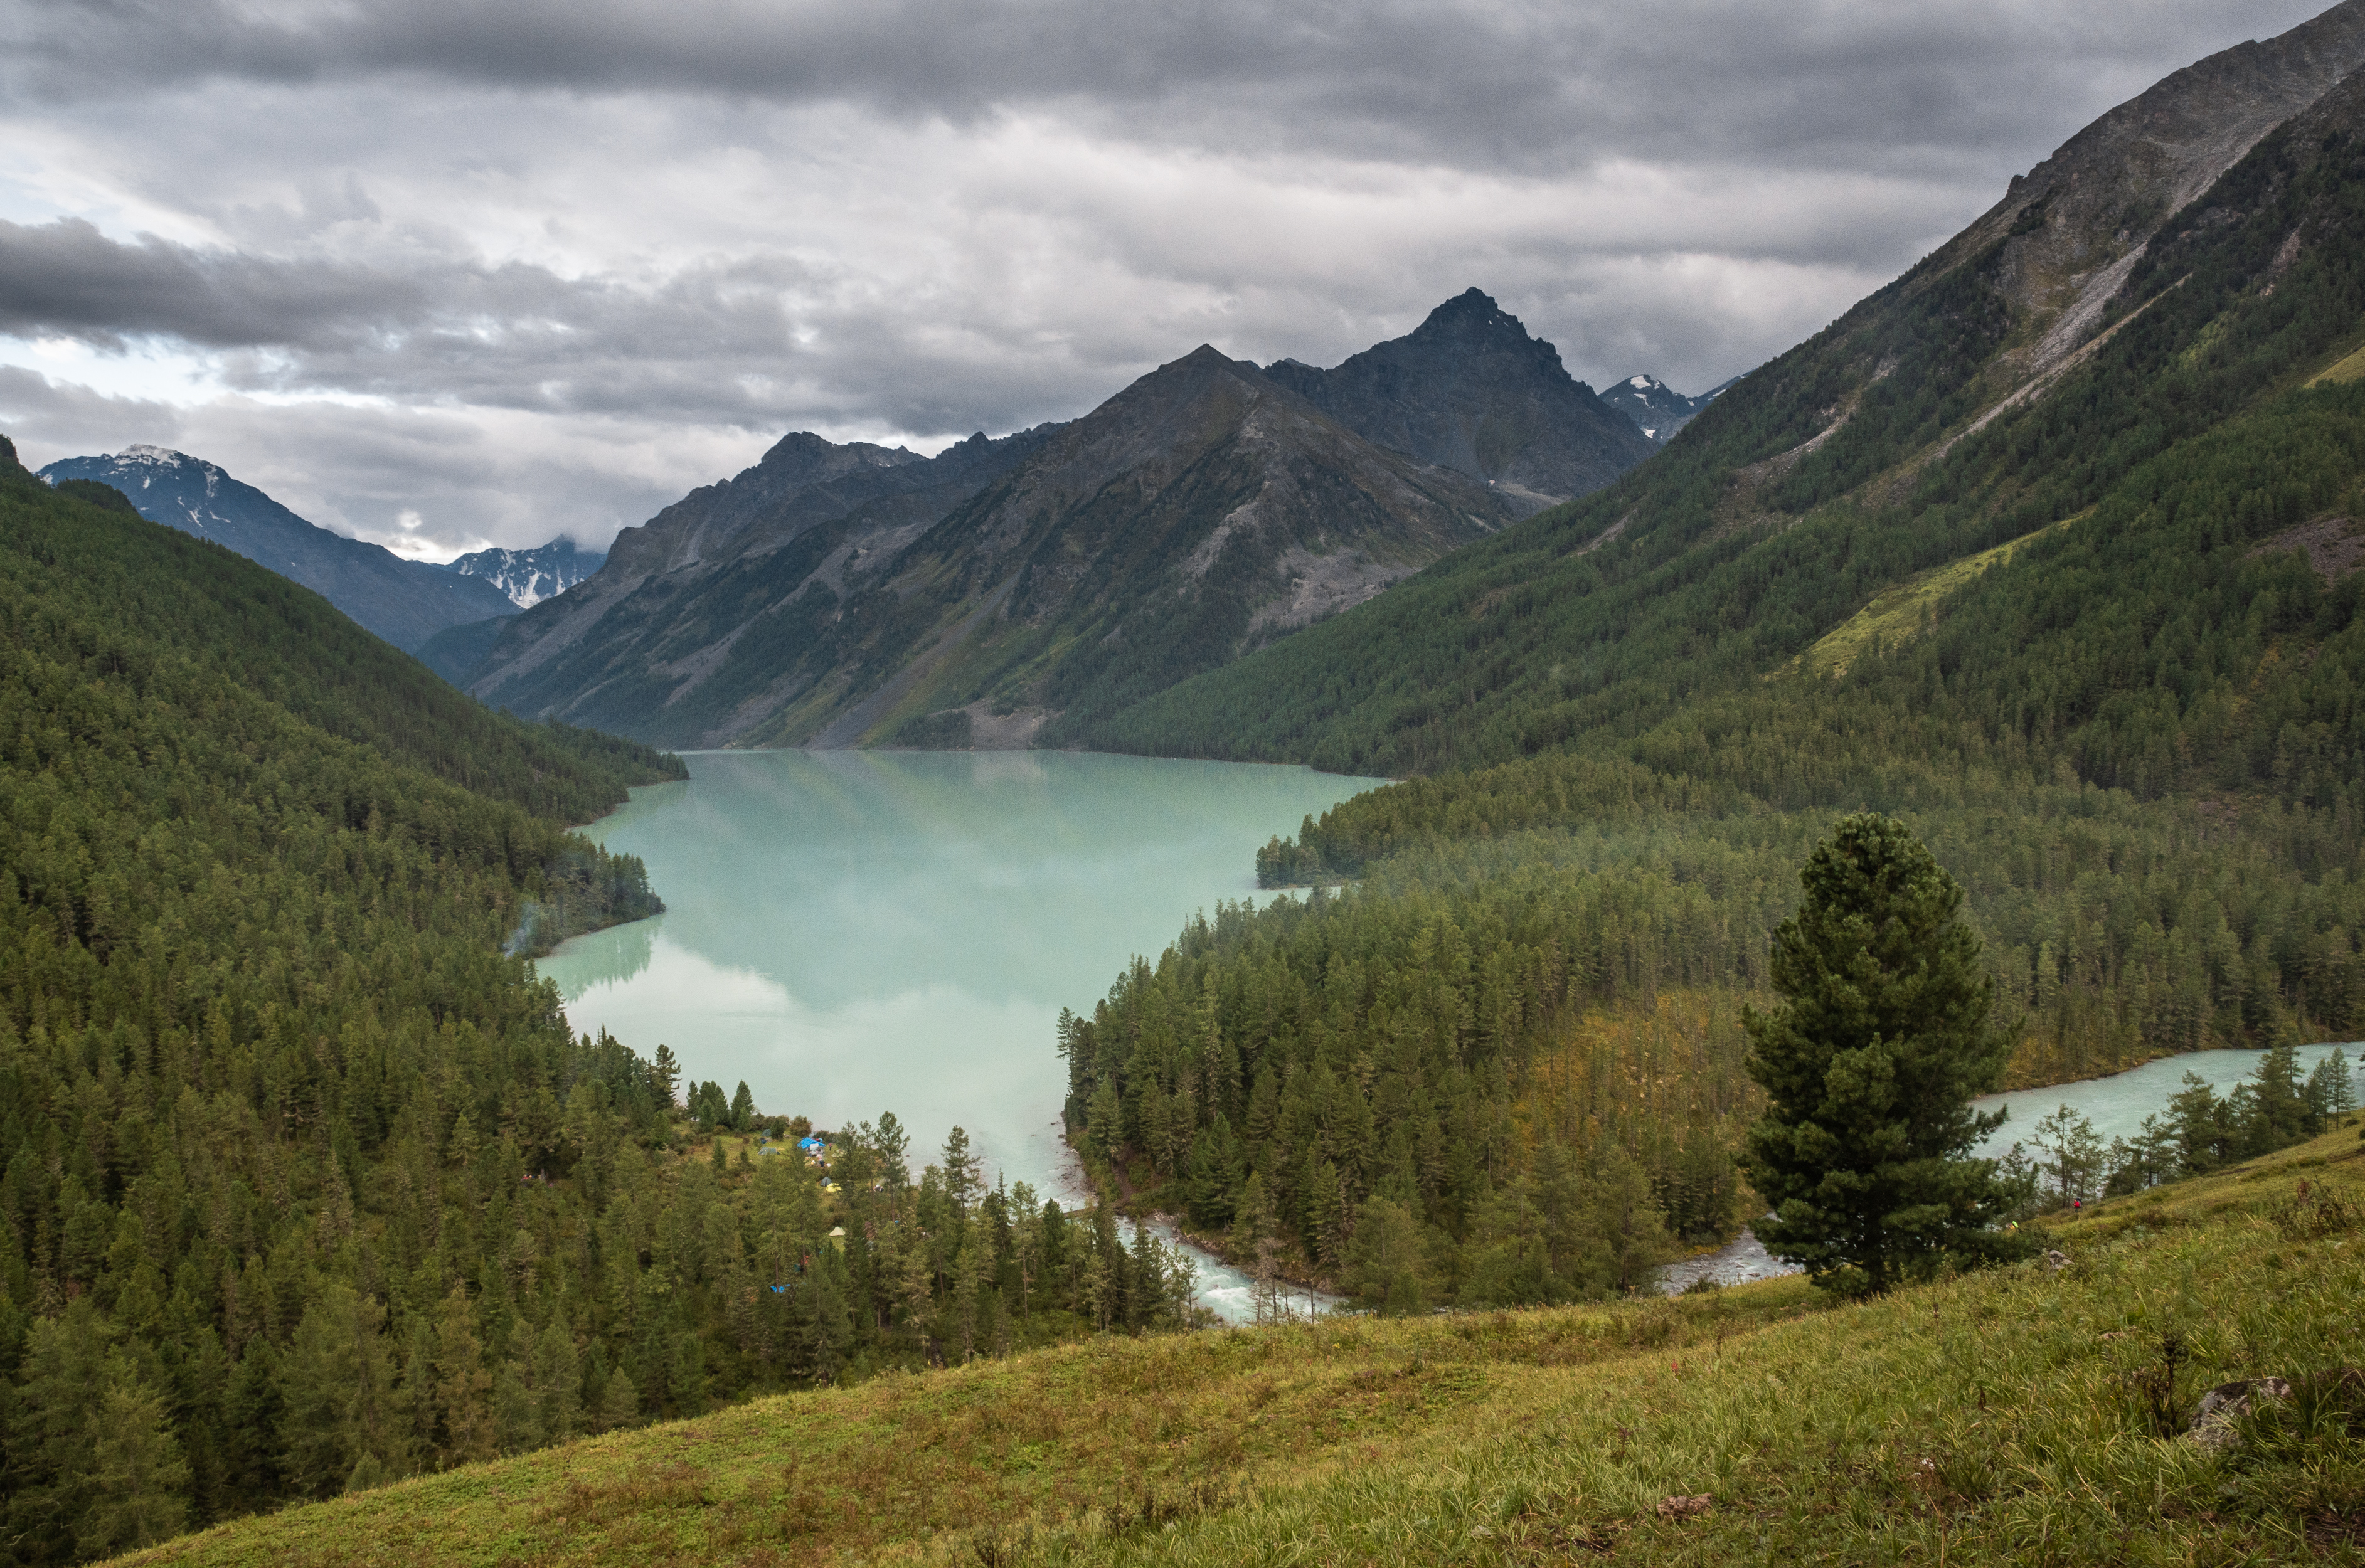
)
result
[(2000, 1416)]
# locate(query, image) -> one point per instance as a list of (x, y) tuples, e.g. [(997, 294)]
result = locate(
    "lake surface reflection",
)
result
[(859, 932)]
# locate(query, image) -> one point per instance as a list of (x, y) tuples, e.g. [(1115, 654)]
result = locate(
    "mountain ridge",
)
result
[(742, 615), (406, 602), (873, 495), (1931, 421)]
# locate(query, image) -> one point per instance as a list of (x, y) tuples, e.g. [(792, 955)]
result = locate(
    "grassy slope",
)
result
[(1898, 613), (1991, 1418)]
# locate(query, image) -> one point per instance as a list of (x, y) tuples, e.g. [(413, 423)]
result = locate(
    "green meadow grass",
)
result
[(1895, 614), (1995, 1417)]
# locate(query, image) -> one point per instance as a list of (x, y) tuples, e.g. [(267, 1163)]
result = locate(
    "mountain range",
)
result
[(2183, 262), (2049, 549), (406, 602), (1006, 590)]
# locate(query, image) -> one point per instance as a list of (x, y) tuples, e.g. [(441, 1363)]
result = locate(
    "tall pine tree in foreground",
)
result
[(1870, 1064)]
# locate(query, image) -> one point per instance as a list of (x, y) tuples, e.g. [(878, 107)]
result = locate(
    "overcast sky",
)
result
[(443, 273)]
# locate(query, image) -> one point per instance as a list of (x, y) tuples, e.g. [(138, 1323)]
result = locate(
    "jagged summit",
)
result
[(1472, 390), (529, 576), (1473, 316)]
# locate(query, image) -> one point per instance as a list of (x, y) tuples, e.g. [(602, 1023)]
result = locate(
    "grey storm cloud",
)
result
[(1487, 80), (445, 271), (513, 335), (67, 279), (68, 415)]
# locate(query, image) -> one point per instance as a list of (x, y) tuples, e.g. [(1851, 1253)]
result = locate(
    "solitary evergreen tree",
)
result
[(1869, 1066)]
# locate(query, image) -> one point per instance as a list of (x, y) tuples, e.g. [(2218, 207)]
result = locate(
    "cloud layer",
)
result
[(441, 273)]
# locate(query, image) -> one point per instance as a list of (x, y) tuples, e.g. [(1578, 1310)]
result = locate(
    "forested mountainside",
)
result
[(1198, 512), (305, 1183), (1468, 389), (264, 1070), (406, 602), (1999, 1417), (2062, 572)]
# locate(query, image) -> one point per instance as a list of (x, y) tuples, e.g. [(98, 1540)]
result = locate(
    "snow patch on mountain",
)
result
[(1657, 410), (529, 576)]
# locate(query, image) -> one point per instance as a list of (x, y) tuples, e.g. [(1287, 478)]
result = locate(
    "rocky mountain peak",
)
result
[(1657, 410), (1472, 322), (160, 457), (529, 576), (1472, 390)]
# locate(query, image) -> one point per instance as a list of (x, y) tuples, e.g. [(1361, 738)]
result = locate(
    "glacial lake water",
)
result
[(859, 932)]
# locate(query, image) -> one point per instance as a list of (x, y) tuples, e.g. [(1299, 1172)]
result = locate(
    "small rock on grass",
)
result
[(2214, 1424), (2335, 1395)]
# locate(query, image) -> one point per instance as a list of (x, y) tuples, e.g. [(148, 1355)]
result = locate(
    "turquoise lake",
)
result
[(859, 932)]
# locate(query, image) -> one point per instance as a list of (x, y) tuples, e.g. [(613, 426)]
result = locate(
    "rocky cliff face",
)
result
[(1468, 389), (2074, 227), (406, 602), (1199, 512), (863, 498)]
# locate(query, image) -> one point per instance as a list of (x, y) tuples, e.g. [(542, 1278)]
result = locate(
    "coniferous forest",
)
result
[(305, 1183), (2084, 649)]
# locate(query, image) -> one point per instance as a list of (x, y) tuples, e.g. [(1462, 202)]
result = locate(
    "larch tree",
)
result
[(1870, 1065)]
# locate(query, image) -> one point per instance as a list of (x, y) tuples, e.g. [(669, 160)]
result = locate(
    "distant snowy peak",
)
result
[(406, 602), (1657, 410), (529, 576), (146, 467)]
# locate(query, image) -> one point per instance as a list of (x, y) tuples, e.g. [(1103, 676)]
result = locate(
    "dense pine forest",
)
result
[(306, 1183), (2092, 649)]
